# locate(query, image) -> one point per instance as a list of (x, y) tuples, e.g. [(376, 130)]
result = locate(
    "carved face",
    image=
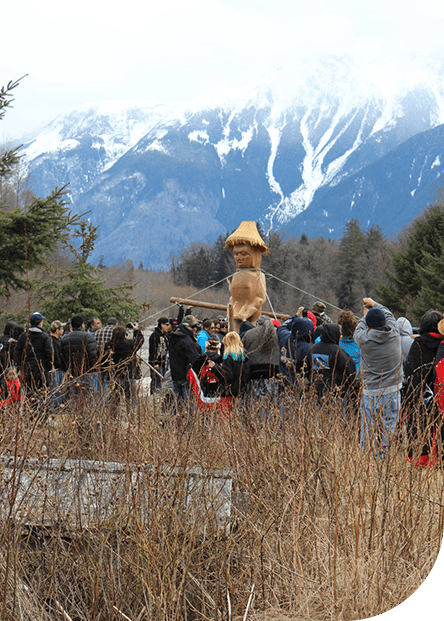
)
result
[(246, 255)]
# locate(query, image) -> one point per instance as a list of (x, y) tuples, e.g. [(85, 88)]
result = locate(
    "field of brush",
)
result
[(316, 528)]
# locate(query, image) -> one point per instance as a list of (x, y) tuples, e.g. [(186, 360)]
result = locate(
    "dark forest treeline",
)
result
[(340, 272), (405, 274)]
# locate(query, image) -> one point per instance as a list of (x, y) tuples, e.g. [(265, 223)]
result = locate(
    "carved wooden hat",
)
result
[(246, 233)]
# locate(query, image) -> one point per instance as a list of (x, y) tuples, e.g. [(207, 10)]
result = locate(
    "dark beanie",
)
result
[(375, 318)]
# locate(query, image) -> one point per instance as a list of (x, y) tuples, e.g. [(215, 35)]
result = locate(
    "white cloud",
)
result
[(177, 50)]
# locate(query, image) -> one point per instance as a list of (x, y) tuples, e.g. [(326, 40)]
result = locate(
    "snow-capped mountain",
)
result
[(315, 146), (85, 141)]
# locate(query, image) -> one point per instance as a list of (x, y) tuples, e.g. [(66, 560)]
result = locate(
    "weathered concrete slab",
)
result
[(83, 492)]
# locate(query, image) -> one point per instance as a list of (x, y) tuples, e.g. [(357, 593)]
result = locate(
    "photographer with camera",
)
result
[(379, 341)]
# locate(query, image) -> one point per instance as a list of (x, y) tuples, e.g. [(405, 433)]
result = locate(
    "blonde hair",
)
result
[(233, 345)]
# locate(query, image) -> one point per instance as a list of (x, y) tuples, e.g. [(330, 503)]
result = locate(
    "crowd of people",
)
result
[(381, 370), (73, 360)]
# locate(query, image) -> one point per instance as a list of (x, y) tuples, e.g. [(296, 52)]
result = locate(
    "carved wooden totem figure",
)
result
[(248, 289)]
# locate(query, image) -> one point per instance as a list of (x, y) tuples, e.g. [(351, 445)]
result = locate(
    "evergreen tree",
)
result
[(277, 262), (413, 262), (202, 265), (350, 269), (9, 159), (431, 294), (80, 290), (375, 260), (29, 234), (222, 261)]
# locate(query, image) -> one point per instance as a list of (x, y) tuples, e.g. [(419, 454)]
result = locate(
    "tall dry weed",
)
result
[(318, 528)]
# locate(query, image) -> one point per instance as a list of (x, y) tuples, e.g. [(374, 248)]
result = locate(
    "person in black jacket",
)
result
[(209, 382), (33, 354), (78, 356), (332, 366), (183, 350), (295, 337), (6, 341), (234, 371), (421, 412), (158, 350), (124, 370)]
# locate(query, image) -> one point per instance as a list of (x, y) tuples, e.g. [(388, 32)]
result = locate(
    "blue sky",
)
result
[(176, 51)]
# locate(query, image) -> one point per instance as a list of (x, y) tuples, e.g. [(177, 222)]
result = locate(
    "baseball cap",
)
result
[(56, 325), (36, 318)]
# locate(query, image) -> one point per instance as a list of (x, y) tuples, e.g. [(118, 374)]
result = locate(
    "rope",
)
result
[(271, 305), (230, 276), (190, 296), (302, 291)]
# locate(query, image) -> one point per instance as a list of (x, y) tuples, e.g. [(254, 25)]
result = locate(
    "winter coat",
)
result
[(125, 364), (56, 349), (352, 349), (33, 353), (295, 337), (332, 364), (380, 355), (183, 350), (419, 389), (419, 366), (158, 348), (262, 346), (78, 351), (234, 373)]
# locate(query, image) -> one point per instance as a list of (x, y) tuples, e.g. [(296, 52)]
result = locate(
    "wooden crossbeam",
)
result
[(221, 307)]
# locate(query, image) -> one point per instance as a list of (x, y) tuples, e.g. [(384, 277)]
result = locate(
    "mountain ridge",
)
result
[(168, 176)]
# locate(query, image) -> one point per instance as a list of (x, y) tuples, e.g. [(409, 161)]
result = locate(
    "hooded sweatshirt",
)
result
[(381, 364), (183, 350), (295, 337), (334, 366), (405, 331), (262, 345)]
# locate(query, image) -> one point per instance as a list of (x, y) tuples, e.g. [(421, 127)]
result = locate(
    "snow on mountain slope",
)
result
[(86, 141), (276, 150)]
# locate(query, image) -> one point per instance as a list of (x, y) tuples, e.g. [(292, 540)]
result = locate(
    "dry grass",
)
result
[(319, 529)]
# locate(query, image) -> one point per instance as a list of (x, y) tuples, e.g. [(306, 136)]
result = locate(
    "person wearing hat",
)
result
[(183, 351), (318, 310), (379, 341), (158, 352), (33, 354)]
